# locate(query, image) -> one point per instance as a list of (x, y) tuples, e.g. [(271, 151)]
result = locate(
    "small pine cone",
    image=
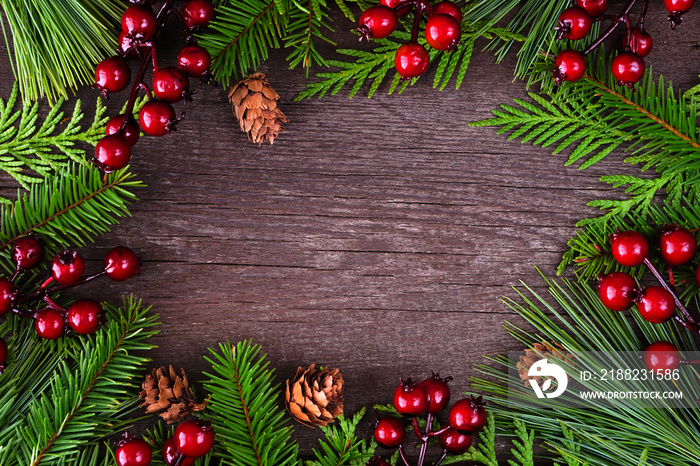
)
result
[(315, 397), (544, 350), (168, 394), (255, 106)]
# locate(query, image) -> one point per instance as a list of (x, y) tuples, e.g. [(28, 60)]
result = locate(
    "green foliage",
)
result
[(307, 22), (342, 446)]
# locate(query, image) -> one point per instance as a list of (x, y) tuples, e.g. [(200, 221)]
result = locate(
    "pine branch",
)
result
[(342, 446), (249, 425), (306, 22)]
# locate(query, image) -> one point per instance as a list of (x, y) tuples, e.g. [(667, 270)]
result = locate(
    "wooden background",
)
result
[(376, 236)]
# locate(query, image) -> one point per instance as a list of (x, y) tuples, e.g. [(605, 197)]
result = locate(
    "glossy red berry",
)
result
[(194, 60), (49, 324), (678, 246), (629, 248), (194, 438), (442, 32), (641, 42), (628, 68), (617, 291), (171, 454), (121, 264), (411, 60), (593, 7), (135, 452), (410, 398), (656, 305), (661, 356), (389, 432), (393, 3), (377, 22), (85, 316), (676, 8), (8, 293), (27, 251), (468, 416), (139, 22), (112, 75), (131, 131), (437, 393), (569, 65), (454, 442), (574, 23), (170, 84), (67, 267), (197, 13), (112, 152), (156, 118), (447, 7)]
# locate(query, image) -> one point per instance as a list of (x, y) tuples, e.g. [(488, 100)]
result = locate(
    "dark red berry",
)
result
[(121, 264), (170, 84), (661, 356), (135, 452), (139, 22), (697, 276), (437, 393), (468, 416), (171, 454), (194, 438), (197, 13), (377, 461), (377, 22), (112, 152), (656, 305), (194, 60), (678, 246), (446, 7), (389, 432), (131, 131), (442, 32), (569, 65), (8, 293), (27, 251), (84, 316), (593, 7), (393, 3), (127, 47), (574, 23), (628, 68), (629, 248), (3, 353), (454, 442), (156, 118), (676, 8), (411, 60), (641, 42), (112, 75), (410, 398), (67, 267), (617, 291), (49, 324)]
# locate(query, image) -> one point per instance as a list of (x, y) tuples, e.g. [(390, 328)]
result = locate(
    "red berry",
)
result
[(170, 84), (139, 22), (617, 291), (197, 13), (393, 3), (121, 264), (135, 452), (640, 42), (49, 324), (454, 442), (697, 278), (389, 432), (442, 32), (171, 454), (8, 292), (112, 152), (468, 416), (27, 251), (629, 248), (569, 65), (126, 46), (156, 118), (661, 356), (194, 438), (593, 7), (3, 353), (678, 6), (377, 461), (377, 22), (84, 316), (437, 392), (194, 60), (67, 267), (678, 246), (131, 131), (112, 75), (628, 68), (411, 60), (574, 23), (448, 8), (656, 305), (410, 398)]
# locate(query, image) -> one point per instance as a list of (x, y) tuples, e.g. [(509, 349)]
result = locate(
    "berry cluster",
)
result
[(192, 439), (67, 270), (140, 30), (628, 66), (430, 397), (442, 30)]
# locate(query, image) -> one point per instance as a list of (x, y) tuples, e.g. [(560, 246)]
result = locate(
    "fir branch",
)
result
[(342, 446), (305, 23), (248, 423)]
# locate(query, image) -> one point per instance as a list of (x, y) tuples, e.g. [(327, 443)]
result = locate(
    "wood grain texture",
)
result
[(374, 235)]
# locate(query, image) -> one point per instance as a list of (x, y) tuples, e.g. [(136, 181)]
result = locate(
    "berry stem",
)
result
[(687, 321), (424, 440), (402, 453), (439, 461), (179, 460), (642, 15), (42, 293), (612, 28), (54, 305)]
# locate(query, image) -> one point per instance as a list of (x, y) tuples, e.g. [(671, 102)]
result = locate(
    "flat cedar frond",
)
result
[(341, 444), (250, 426), (306, 22), (60, 404)]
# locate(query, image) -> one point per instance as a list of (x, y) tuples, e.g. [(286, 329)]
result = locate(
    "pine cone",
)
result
[(255, 106), (541, 351), (168, 394), (315, 397)]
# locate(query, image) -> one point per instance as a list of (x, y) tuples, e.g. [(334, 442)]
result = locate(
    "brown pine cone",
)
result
[(315, 397), (168, 394), (255, 106), (544, 350)]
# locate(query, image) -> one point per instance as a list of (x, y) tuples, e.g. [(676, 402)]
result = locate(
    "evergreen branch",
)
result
[(342, 446), (248, 424), (305, 23)]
